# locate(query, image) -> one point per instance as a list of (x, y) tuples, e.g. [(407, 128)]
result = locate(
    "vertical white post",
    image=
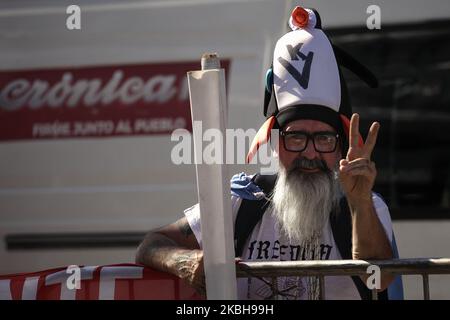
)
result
[(208, 105)]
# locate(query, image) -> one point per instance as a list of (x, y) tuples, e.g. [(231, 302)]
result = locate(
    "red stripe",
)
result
[(262, 136)]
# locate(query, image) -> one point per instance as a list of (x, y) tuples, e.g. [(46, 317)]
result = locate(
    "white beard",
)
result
[(302, 203)]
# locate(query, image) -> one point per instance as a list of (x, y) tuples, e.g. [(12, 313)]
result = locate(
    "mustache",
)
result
[(304, 163)]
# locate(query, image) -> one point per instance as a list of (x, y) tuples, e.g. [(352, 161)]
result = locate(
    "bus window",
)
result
[(412, 104)]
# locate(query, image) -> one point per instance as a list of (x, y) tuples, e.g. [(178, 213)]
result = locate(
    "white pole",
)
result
[(208, 105)]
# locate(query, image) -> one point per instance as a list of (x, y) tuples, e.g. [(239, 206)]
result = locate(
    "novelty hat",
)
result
[(305, 80)]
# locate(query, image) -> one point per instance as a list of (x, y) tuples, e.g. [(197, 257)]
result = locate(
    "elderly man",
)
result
[(320, 205)]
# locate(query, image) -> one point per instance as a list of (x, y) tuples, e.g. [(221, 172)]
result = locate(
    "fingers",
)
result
[(355, 149), (199, 279), (360, 166), (200, 286), (196, 279), (189, 265), (202, 291), (354, 131), (366, 172), (371, 139)]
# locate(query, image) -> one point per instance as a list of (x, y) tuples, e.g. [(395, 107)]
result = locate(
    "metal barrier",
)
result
[(321, 269)]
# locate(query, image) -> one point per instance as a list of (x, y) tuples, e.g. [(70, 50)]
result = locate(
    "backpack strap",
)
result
[(249, 214), (251, 211), (341, 225), (265, 182)]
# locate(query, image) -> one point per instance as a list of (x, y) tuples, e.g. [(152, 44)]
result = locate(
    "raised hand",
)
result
[(357, 172)]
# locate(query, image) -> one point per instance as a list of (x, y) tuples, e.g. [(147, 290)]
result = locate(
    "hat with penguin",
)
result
[(305, 80)]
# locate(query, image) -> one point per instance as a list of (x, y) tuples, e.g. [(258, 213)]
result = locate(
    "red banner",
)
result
[(97, 101), (112, 282)]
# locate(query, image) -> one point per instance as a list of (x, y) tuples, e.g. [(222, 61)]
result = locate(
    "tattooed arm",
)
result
[(174, 249)]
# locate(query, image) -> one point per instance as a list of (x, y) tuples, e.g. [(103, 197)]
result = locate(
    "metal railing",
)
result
[(322, 269)]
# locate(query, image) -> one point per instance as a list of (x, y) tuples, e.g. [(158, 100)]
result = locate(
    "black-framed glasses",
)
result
[(297, 141)]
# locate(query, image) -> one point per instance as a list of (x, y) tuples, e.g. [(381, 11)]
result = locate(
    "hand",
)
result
[(190, 268), (357, 172)]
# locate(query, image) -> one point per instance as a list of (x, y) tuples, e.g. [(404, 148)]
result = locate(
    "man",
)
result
[(304, 208)]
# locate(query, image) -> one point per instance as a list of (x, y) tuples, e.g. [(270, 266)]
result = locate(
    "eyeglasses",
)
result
[(297, 141)]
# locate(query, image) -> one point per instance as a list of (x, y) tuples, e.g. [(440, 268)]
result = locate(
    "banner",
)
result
[(99, 101), (110, 282)]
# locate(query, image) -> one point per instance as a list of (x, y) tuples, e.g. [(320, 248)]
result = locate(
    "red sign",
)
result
[(95, 101), (114, 282)]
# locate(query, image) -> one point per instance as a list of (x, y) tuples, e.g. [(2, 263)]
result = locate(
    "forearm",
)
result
[(369, 238), (162, 253)]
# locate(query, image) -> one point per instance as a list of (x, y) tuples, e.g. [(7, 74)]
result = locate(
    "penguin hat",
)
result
[(305, 80)]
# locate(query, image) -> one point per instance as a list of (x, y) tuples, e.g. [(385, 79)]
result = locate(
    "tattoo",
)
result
[(185, 229), (152, 250), (156, 247)]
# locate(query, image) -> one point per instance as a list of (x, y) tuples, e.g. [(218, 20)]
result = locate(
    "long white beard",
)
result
[(302, 203)]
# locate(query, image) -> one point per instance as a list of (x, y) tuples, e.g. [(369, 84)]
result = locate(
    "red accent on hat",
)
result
[(300, 17), (262, 136)]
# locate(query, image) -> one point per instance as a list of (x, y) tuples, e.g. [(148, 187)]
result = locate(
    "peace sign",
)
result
[(357, 172), (357, 148)]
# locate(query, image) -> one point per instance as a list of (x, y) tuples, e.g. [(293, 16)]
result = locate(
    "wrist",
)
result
[(360, 203)]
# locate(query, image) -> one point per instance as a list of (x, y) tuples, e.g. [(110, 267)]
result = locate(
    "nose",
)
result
[(310, 152)]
